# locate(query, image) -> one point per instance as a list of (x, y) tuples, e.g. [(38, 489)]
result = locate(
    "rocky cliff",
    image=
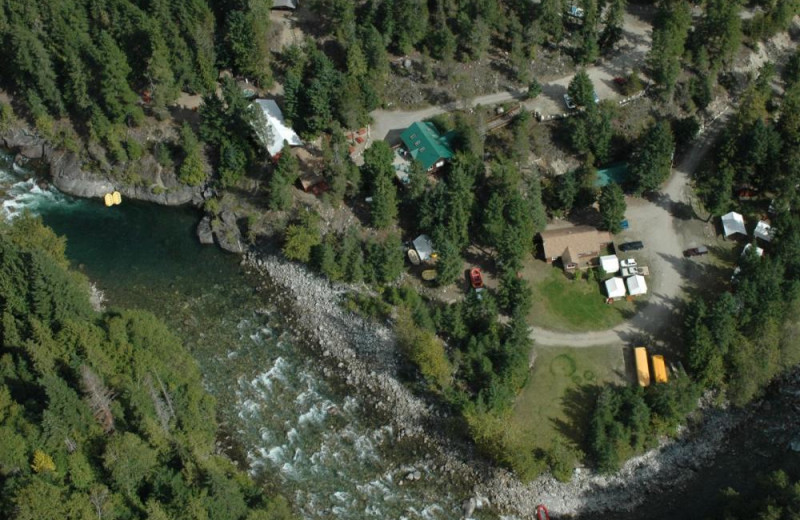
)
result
[(68, 174)]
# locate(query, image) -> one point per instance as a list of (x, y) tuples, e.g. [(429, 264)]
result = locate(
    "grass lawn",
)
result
[(572, 305), (561, 390)]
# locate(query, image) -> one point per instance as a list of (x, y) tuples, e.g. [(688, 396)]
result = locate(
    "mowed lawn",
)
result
[(572, 305), (560, 392)]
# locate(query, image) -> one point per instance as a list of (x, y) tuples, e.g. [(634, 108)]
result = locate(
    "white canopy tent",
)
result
[(636, 285), (275, 132), (763, 231), (759, 251), (424, 247), (609, 263), (733, 223), (615, 287)]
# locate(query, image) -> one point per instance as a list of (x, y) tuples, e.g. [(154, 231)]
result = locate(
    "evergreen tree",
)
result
[(581, 90), (280, 184), (612, 207), (650, 165)]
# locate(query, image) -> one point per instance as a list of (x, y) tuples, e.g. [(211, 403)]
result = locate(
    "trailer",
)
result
[(642, 369)]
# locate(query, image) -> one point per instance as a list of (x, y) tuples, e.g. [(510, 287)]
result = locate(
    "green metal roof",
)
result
[(425, 143), (617, 173)]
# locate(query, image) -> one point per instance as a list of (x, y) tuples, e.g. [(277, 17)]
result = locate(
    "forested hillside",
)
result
[(94, 61), (102, 415)]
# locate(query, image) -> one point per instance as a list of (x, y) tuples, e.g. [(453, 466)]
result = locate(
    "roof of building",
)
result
[(733, 223), (581, 239), (616, 173), (759, 251), (424, 247), (636, 285), (764, 231), (276, 131), (284, 4), (615, 287), (609, 263), (426, 144)]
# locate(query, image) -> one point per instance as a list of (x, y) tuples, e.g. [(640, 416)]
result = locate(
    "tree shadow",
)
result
[(578, 404), (678, 209)]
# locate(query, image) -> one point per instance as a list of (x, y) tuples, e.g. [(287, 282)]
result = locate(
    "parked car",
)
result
[(628, 262), (476, 278), (631, 246), (696, 251), (632, 271), (569, 103)]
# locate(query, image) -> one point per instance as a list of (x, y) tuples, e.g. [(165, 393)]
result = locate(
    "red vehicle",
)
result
[(475, 278), (541, 513)]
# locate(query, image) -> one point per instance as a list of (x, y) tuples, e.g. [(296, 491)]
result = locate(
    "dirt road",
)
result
[(631, 52)]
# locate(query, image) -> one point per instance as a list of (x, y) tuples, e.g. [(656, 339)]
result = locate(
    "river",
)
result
[(303, 435)]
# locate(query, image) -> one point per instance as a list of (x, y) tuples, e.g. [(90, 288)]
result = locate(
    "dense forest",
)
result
[(102, 414)]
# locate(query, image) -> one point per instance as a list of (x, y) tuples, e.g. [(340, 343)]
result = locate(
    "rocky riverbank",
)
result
[(362, 354), (67, 172)]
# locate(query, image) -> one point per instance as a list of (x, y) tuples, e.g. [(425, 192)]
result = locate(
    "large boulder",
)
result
[(227, 233), (204, 232)]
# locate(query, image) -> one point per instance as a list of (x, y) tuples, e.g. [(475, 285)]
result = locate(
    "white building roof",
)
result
[(609, 263), (733, 223), (276, 132), (424, 247), (763, 231), (759, 251), (286, 4), (636, 285), (615, 287)]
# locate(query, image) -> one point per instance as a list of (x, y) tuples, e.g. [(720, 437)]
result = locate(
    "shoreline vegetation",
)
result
[(102, 413)]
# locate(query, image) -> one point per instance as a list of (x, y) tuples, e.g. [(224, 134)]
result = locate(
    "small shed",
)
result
[(636, 285), (733, 223), (609, 263), (763, 231), (424, 247), (615, 287)]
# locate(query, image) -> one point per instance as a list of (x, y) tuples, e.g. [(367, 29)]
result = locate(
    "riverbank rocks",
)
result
[(204, 233), (67, 174), (226, 232)]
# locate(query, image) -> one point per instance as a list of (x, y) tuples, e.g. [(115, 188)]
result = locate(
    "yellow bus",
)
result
[(659, 369), (642, 370)]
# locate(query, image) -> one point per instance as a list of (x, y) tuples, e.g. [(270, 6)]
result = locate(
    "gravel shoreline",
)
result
[(363, 355)]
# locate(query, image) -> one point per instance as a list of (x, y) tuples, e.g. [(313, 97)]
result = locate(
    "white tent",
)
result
[(759, 251), (636, 285), (424, 247), (763, 231), (275, 132), (615, 287), (609, 263), (284, 4), (733, 223)]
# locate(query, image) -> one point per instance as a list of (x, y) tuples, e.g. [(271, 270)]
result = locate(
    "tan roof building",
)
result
[(577, 246)]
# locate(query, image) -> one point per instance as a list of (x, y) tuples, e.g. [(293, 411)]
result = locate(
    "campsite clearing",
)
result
[(560, 390), (571, 305)]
